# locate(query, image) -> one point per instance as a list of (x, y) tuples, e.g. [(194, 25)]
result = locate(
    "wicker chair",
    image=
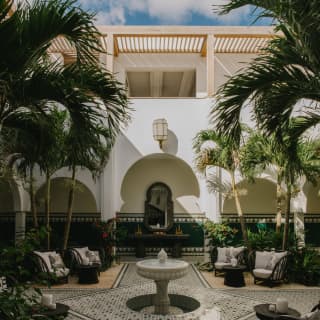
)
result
[(81, 256), (218, 266), (43, 264), (269, 275)]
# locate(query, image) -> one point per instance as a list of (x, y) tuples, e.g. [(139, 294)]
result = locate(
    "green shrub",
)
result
[(220, 234)]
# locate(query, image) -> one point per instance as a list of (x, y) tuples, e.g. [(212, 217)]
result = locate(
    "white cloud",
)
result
[(165, 11)]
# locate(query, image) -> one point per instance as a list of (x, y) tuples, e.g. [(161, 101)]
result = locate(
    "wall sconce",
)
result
[(160, 130)]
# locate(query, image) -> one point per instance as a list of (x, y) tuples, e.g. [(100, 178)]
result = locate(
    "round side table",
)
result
[(88, 274), (233, 276), (60, 310), (263, 312)]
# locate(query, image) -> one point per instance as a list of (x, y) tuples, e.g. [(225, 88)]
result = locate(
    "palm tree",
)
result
[(286, 72), (85, 149), (29, 80), (224, 155), (259, 153), (22, 148)]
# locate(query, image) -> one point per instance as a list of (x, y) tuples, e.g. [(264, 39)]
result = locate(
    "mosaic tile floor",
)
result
[(234, 304)]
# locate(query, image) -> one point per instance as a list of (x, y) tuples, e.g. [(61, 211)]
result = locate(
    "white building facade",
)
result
[(171, 73)]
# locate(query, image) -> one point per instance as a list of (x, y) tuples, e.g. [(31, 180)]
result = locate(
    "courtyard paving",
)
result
[(107, 300)]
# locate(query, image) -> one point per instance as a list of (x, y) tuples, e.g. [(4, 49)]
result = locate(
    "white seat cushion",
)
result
[(221, 265), (262, 273)]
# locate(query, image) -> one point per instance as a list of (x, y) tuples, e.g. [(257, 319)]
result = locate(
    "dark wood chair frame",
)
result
[(43, 267), (241, 258), (279, 272)]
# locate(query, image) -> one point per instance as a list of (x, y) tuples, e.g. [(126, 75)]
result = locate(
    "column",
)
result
[(210, 65), (20, 226)]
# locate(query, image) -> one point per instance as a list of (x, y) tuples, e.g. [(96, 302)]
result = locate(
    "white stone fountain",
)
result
[(162, 270)]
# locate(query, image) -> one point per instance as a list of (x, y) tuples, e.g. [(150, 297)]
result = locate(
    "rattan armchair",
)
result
[(272, 274)]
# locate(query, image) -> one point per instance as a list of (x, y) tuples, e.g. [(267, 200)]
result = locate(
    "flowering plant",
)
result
[(220, 234), (106, 232)]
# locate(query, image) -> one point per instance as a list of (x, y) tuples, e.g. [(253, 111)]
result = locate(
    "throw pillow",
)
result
[(263, 258), (82, 254), (93, 256), (56, 261), (236, 251)]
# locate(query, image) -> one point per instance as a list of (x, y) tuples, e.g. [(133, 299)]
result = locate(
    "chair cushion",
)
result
[(262, 273), (263, 259), (221, 265), (45, 257)]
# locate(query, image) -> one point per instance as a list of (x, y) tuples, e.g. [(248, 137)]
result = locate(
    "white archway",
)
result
[(257, 197), (165, 168), (84, 200), (10, 199)]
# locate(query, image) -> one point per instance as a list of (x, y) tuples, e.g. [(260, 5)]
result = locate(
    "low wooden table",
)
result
[(263, 312), (88, 274), (60, 310), (233, 276)]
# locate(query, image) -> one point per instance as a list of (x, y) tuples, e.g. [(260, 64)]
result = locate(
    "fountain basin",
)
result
[(169, 270)]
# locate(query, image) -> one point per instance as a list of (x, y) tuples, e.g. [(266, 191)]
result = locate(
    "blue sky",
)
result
[(166, 12)]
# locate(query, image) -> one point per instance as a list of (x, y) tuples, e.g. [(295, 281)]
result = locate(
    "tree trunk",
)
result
[(239, 209), (47, 208), (33, 200), (69, 211), (279, 206), (287, 220)]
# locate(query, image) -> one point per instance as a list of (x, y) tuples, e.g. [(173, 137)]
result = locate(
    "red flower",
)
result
[(104, 235)]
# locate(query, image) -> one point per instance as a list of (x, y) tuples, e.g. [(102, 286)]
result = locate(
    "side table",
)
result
[(88, 274), (233, 276), (60, 310), (263, 312)]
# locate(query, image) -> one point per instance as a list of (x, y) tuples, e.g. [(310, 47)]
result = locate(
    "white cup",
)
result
[(282, 305)]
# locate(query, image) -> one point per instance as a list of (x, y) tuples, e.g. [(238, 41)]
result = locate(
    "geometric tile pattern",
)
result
[(234, 304)]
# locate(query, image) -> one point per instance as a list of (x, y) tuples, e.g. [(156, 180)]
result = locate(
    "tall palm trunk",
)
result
[(239, 209), (33, 199), (70, 207), (47, 208), (287, 219), (279, 205)]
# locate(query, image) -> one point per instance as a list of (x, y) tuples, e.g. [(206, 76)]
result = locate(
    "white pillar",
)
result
[(210, 65), (20, 226), (299, 206)]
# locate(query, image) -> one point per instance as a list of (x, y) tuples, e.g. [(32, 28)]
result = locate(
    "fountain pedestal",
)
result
[(162, 270), (161, 299)]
